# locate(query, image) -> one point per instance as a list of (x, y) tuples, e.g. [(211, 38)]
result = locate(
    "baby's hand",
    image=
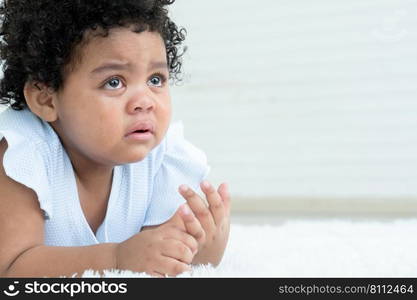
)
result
[(159, 251), (214, 218)]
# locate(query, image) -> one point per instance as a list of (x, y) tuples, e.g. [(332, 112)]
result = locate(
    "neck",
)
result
[(94, 181), (92, 177)]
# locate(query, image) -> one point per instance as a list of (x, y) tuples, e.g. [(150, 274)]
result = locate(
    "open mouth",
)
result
[(141, 135), (141, 131)]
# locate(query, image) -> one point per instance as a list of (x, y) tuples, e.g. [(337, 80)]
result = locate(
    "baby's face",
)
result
[(120, 85)]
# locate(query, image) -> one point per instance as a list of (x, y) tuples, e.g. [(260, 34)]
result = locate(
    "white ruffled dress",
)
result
[(142, 194)]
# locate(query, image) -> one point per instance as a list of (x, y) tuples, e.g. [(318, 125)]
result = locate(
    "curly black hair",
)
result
[(38, 37)]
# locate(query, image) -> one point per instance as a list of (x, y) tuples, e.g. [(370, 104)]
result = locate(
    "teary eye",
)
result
[(113, 83), (157, 80)]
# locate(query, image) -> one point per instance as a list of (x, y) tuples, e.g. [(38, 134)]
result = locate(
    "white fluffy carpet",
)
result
[(326, 248)]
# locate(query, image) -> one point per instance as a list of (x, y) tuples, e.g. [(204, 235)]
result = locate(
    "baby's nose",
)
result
[(141, 102), (144, 106)]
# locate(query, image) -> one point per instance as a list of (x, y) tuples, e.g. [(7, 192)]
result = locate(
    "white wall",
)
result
[(303, 99)]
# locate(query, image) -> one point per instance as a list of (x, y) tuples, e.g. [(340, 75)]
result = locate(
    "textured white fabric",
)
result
[(143, 193), (312, 248)]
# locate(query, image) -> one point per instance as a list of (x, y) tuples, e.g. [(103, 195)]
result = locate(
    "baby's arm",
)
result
[(23, 254)]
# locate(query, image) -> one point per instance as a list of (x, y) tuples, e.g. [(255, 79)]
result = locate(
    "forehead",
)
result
[(122, 44)]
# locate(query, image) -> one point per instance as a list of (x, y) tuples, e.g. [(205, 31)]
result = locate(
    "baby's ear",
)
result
[(41, 100)]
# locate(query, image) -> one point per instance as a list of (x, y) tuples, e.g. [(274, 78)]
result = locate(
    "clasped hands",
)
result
[(208, 223), (196, 234)]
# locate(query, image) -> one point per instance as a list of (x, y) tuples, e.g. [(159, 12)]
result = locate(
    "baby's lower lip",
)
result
[(140, 136)]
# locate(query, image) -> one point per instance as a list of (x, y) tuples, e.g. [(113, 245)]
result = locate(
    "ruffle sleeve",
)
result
[(23, 160), (180, 163)]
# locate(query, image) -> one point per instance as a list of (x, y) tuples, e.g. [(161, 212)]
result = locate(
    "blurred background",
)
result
[(306, 108)]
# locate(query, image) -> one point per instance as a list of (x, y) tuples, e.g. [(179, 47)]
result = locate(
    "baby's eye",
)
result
[(156, 80), (113, 83)]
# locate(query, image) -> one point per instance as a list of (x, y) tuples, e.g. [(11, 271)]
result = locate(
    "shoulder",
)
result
[(10, 187), (24, 125), (27, 147), (31, 141)]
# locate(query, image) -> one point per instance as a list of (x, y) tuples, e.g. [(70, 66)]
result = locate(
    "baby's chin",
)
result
[(134, 156)]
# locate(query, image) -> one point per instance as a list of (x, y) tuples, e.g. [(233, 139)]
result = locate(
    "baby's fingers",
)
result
[(199, 208), (178, 250), (223, 191), (215, 202), (192, 225), (171, 267)]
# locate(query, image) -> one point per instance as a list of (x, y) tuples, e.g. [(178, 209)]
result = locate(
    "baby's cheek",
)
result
[(108, 125), (95, 134), (106, 136)]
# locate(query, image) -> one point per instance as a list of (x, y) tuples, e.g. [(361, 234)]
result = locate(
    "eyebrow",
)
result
[(125, 66), (158, 65)]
